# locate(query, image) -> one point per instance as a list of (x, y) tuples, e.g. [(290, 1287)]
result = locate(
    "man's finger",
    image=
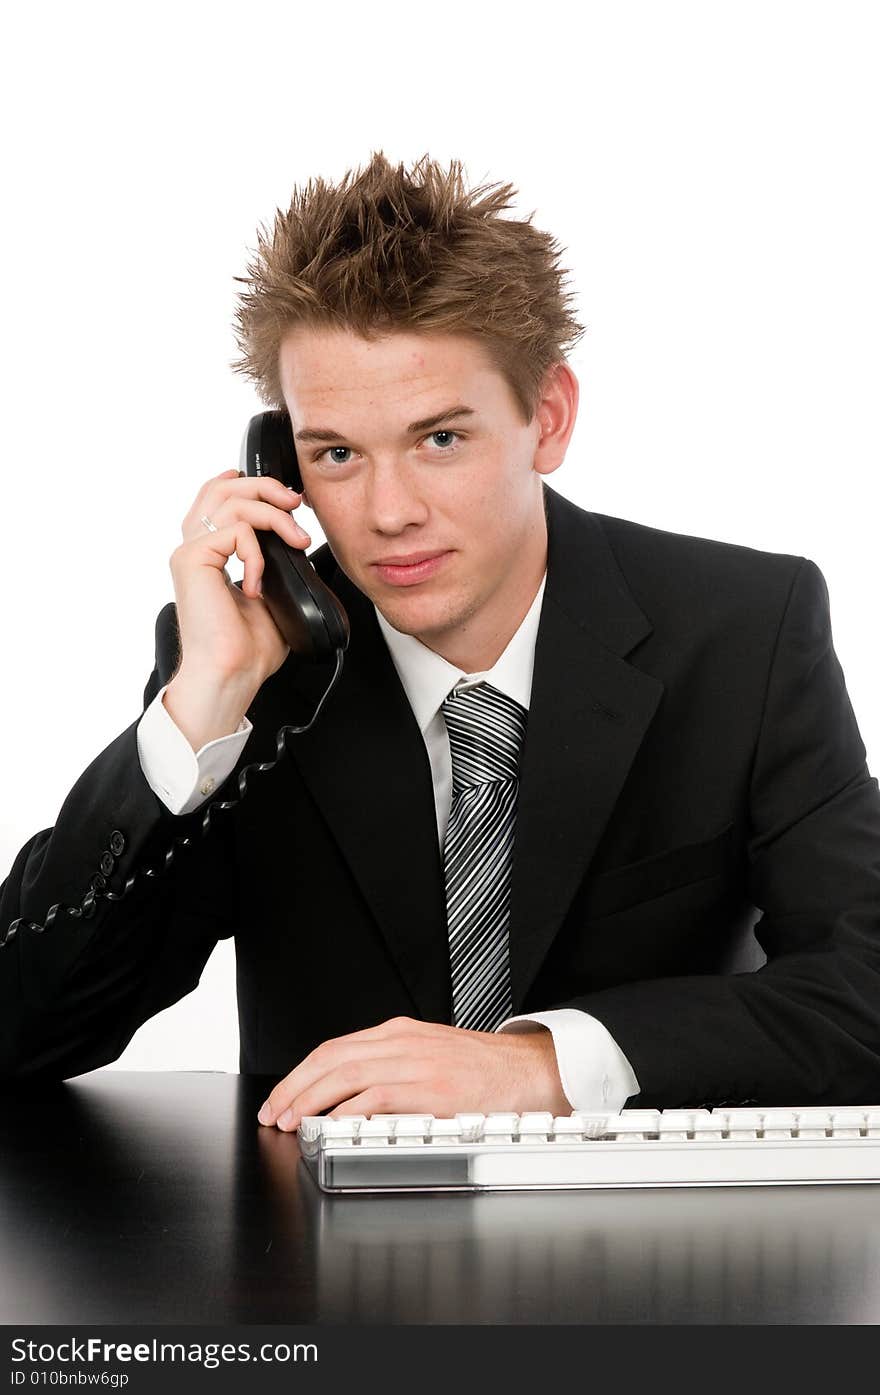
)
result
[(331, 1056), (376, 1075), (407, 1097)]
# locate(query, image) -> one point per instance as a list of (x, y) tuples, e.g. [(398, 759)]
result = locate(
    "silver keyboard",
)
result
[(635, 1148)]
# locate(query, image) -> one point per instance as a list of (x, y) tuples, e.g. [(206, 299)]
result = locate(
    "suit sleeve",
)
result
[(72, 994), (805, 1028)]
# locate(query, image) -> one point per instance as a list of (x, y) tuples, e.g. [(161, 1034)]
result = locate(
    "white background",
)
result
[(710, 168)]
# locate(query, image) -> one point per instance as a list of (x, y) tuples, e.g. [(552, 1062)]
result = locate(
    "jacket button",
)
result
[(107, 863), (117, 843), (98, 882)]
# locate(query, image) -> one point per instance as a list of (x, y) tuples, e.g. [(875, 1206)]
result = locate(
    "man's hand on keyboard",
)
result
[(405, 1066)]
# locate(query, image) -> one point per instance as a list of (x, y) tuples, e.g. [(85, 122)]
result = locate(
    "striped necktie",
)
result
[(485, 734)]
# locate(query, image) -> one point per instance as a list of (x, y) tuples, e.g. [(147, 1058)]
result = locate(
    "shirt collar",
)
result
[(428, 679)]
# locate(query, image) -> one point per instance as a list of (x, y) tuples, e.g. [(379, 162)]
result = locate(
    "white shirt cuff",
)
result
[(593, 1070), (182, 778)]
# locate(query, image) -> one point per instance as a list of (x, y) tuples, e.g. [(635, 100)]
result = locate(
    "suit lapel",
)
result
[(366, 766), (588, 713)]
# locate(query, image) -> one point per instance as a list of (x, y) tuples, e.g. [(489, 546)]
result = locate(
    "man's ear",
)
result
[(555, 414)]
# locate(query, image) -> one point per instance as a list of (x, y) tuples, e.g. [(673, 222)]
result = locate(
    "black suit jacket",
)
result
[(691, 764)]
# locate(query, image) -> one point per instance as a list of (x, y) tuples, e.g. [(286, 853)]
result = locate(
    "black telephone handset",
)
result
[(310, 617)]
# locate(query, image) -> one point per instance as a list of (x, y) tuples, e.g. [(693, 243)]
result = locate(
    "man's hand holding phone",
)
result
[(229, 642)]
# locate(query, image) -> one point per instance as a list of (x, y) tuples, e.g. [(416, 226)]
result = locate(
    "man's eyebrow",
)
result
[(324, 433)]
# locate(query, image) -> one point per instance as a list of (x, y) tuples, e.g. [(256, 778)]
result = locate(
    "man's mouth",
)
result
[(408, 569)]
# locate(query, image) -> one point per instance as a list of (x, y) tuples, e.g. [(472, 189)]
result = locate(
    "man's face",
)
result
[(423, 479)]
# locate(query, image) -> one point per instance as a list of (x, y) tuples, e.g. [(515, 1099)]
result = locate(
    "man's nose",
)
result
[(394, 501)]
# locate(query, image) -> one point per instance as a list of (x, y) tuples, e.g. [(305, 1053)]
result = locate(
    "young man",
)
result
[(570, 758)]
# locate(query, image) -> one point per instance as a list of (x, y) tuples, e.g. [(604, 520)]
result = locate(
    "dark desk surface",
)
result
[(129, 1197)]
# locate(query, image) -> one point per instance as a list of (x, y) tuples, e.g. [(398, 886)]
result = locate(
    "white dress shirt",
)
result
[(593, 1070)]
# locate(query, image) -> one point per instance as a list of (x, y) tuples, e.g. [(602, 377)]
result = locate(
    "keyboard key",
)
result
[(444, 1131), (342, 1131), (847, 1123), (568, 1128), (412, 1128), (500, 1128), (471, 1127), (537, 1127), (376, 1130), (708, 1127), (744, 1123), (780, 1124), (813, 1122), (678, 1124), (634, 1125)]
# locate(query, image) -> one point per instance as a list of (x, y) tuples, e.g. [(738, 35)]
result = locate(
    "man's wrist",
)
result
[(205, 711), (549, 1095), (594, 1071)]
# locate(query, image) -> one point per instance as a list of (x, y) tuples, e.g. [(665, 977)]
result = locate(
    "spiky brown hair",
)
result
[(388, 249)]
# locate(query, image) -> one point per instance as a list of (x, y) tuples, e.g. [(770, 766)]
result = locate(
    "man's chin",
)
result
[(422, 617), (406, 621)]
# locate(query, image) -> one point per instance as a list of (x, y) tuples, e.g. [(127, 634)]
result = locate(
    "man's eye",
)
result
[(341, 455)]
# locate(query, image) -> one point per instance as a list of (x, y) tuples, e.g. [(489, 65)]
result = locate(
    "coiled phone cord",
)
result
[(87, 909)]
